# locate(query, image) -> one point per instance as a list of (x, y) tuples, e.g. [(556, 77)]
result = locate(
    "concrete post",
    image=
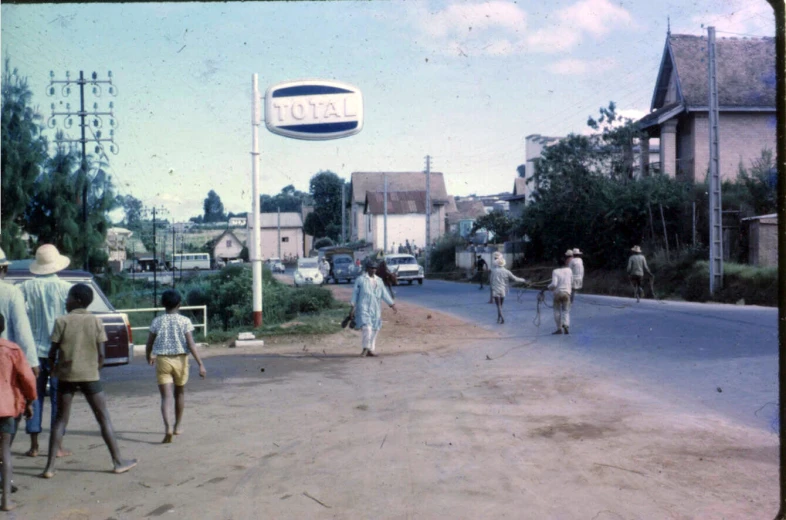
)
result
[(668, 148)]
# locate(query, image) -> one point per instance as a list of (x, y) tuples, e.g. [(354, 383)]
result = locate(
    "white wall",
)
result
[(401, 228), (292, 247)]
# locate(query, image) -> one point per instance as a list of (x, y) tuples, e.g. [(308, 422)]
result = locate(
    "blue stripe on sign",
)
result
[(322, 128), (309, 90)]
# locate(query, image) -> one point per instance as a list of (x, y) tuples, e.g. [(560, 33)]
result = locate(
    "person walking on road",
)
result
[(577, 267), (481, 266), (366, 296), (45, 297), (637, 266), (499, 280), (562, 284)]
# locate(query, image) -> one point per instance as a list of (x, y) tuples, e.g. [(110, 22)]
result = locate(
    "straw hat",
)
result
[(636, 249), (499, 261), (496, 254), (3, 259), (569, 252), (48, 260), (577, 252)]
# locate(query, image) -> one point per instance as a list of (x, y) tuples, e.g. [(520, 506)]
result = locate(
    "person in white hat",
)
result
[(498, 280), (577, 267), (17, 324), (637, 266), (562, 284), (45, 296)]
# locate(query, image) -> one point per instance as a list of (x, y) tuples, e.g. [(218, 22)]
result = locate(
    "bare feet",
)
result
[(48, 473), (167, 439), (64, 453), (124, 465), (32, 452), (178, 430)]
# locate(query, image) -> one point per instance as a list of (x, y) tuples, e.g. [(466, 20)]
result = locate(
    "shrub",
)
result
[(443, 254)]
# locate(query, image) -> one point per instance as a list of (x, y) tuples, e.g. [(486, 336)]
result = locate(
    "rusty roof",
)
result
[(363, 182), (399, 202)]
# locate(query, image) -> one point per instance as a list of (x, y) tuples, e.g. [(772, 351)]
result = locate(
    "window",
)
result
[(285, 239), (229, 243)]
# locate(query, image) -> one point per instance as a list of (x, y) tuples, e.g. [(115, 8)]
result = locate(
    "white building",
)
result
[(282, 237), (237, 222), (406, 219)]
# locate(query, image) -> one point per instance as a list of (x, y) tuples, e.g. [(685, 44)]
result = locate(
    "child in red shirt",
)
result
[(17, 393)]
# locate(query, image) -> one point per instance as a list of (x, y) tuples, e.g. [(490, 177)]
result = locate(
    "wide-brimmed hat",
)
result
[(48, 260), (577, 251), (3, 259), (636, 249), (496, 254), (499, 261), (569, 252)]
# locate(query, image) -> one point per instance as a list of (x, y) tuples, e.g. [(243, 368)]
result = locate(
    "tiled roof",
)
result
[(466, 210), (745, 71), (363, 182), (399, 202)]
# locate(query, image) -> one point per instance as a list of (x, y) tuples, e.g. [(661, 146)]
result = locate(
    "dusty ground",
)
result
[(451, 421)]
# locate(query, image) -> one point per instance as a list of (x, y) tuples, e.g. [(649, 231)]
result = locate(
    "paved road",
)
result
[(721, 357)]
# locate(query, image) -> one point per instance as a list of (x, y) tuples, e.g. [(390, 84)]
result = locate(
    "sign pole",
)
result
[(256, 246)]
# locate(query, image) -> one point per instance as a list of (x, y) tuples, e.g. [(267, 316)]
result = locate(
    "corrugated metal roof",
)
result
[(399, 202), (363, 182), (466, 210)]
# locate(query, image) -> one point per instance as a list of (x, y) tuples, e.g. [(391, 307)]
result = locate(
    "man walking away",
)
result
[(12, 306), (368, 292), (637, 266), (577, 267), (481, 268), (561, 284), (45, 296)]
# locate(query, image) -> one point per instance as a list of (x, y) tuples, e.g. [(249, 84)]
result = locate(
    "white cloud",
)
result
[(586, 17), (739, 16), (576, 67), (464, 18)]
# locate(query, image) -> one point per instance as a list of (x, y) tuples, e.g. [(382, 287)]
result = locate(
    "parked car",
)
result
[(343, 268), (307, 272), (119, 345), (406, 268), (275, 265)]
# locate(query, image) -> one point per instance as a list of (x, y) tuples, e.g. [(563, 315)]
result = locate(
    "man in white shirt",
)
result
[(561, 284), (577, 266)]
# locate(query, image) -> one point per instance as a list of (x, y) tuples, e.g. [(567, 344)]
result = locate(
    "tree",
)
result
[(325, 221), (498, 223), (24, 151), (289, 200), (214, 208), (133, 209)]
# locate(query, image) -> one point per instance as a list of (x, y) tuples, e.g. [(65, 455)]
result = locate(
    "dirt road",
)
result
[(450, 421)]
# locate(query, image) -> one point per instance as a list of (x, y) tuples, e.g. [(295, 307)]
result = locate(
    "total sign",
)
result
[(314, 109)]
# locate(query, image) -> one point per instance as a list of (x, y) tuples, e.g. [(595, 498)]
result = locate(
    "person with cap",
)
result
[(45, 297), (498, 280), (17, 324), (481, 267), (637, 266), (366, 310), (562, 285), (577, 267)]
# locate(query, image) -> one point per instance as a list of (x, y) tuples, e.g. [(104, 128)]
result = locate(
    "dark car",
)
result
[(119, 345)]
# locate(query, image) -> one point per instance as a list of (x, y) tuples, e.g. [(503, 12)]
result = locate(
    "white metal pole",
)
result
[(385, 205), (256, 260)]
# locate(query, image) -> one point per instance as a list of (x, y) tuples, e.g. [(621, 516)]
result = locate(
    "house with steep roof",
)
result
[(745, 71), (518, 200), (362, 223), (462, 220), (225, 247), (281, 235)]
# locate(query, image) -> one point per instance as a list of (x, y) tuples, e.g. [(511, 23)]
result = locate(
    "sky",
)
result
[(462, 82)]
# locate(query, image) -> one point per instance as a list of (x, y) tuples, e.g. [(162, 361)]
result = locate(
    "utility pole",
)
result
[(428, 213), (385, 206), (343, 212), (279, 232), (95, 130), (173, 254), (716, 210), (155, 261)]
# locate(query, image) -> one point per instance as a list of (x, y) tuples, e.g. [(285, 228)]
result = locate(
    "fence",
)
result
[(203, 325)]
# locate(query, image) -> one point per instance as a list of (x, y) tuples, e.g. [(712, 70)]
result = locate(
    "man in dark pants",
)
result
[(481, 267)]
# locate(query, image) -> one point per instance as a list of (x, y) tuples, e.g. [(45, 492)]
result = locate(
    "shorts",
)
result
[(172, 369), (86, 387), (8, 424)]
